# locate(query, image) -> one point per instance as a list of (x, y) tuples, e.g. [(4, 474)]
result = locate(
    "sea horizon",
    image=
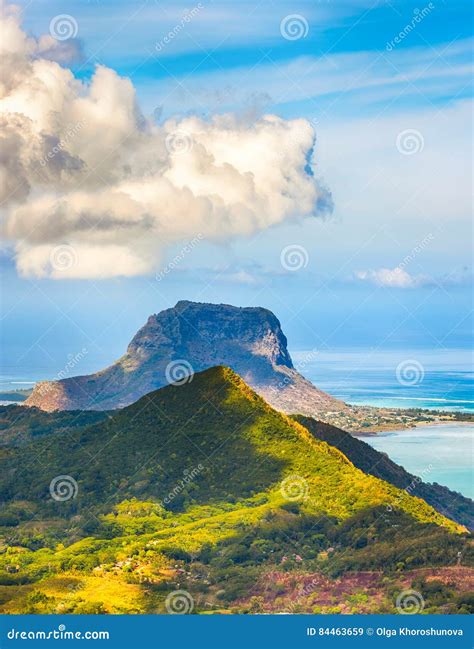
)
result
[(237, 377), (442, 380), (358, 376)]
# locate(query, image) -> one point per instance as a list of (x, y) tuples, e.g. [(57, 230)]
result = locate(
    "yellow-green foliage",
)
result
[(259, 480)]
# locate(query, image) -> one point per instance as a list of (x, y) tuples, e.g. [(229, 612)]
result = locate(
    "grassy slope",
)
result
[(233, 511), (243, 445), (366, 458)]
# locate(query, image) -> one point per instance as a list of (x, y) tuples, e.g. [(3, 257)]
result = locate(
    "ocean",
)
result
[(434, 379), (441, 453), (430, 379)]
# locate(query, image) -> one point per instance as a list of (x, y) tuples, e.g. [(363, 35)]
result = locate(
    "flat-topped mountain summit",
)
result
[(192, 337)]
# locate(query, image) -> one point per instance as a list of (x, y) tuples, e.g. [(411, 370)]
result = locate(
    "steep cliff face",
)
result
[(189, 338)]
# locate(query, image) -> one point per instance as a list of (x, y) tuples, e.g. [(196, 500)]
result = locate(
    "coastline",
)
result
[(373, 431), (439, 454)]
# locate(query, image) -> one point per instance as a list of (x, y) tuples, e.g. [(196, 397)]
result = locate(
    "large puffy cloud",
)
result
[(82, 168)]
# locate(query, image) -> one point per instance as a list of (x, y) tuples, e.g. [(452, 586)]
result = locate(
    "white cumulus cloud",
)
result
[(80, 166)]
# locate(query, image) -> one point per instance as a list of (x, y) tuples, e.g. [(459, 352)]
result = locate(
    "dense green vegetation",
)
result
[(221, 555), (366, 458), (233, 442), (19, 425), (203, 487), (424, 413)]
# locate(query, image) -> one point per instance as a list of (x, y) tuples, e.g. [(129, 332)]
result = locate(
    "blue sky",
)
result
[(390, 268)]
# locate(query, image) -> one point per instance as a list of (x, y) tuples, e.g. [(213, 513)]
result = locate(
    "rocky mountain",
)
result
[(243, 445), (188, 338), (21, 427), (203, 487)]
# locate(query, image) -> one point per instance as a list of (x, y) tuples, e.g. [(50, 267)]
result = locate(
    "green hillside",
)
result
[(202, 484), (216, 421), (365, 457), (19, 425)]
